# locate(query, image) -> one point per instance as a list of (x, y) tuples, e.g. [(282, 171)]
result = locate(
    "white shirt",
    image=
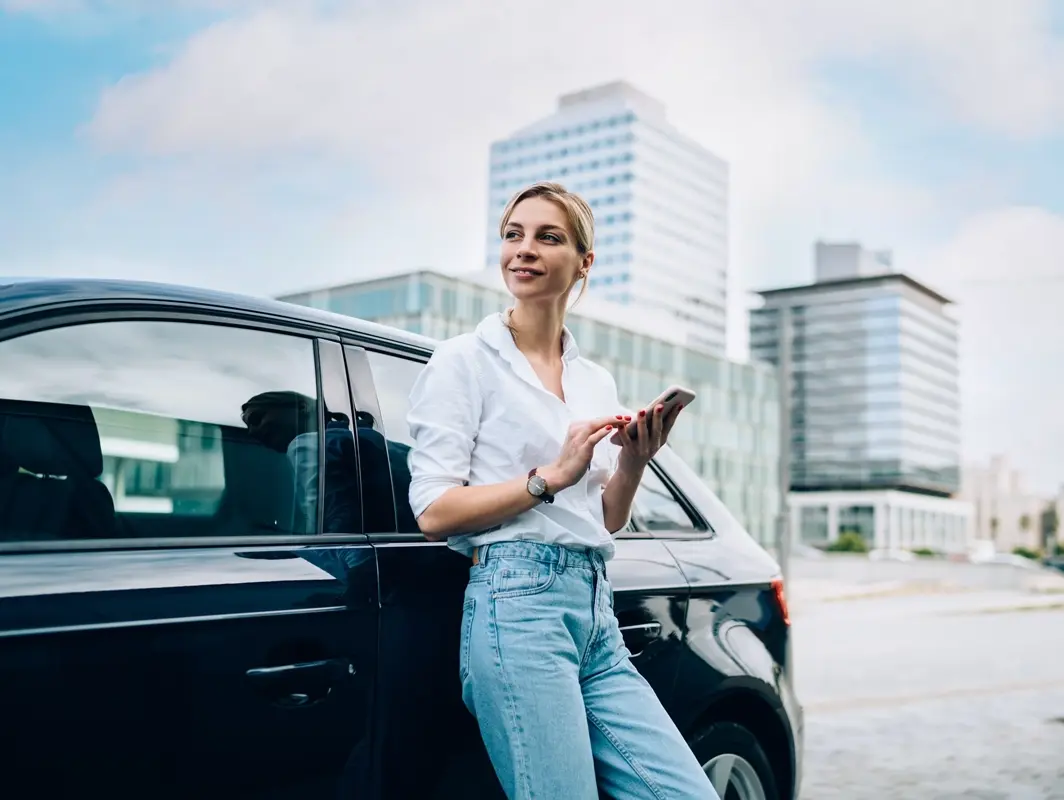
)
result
[(480, 415)]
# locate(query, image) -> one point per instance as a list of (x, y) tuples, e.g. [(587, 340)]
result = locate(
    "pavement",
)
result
[(917, 685)]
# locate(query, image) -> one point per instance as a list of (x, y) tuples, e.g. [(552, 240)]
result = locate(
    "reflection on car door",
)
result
[(216, 672), (168, 628)]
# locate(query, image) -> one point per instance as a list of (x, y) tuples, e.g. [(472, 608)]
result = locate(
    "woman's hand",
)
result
[(577, 450), (651, 433)]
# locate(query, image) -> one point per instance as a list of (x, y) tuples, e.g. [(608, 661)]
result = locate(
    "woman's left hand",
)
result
[(652, 431)]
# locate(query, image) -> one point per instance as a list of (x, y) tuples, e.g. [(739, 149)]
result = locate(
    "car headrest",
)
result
[(50, 439)]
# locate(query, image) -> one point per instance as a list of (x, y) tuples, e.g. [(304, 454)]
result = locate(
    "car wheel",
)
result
[(735, 763)]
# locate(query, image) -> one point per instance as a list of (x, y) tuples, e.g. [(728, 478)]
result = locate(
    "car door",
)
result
[(172, 623), (735, 629), (419, 703), (650, 590)]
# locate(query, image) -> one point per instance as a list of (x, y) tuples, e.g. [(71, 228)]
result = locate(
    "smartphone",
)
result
[(673, 396)]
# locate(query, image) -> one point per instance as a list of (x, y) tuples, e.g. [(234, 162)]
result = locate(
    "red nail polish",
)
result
[(659, 407), (642, 413)]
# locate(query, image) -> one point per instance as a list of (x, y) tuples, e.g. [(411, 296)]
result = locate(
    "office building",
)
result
[(730, 435), (874, 402), (660, 202)]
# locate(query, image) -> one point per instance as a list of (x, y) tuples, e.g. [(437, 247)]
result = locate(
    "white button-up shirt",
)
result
[(480, 415)]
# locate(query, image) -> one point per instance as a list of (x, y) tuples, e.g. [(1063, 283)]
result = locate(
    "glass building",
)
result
[(660, 202), (730, 435), (874, 400)]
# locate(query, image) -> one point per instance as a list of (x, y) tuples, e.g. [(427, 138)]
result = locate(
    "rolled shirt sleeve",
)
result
[(444, 417)]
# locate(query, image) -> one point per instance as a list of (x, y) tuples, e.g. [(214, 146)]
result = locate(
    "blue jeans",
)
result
[(562, 711)]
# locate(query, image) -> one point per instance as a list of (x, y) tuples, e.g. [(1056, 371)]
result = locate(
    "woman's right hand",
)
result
[(579, 446)]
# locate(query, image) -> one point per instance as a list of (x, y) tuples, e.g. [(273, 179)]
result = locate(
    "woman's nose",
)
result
[(527, 249)]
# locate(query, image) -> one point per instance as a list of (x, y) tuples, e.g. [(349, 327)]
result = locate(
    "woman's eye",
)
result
[(550, 237), (510, 235)]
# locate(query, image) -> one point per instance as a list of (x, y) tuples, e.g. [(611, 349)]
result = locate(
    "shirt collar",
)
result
[(493, 330)]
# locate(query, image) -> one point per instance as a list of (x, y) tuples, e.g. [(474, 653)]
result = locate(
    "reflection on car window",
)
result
[(152, 429), (394, 377), (656, 508)]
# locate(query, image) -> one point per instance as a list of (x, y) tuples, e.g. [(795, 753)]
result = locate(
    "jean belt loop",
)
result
[(561, 559), (482, 553)]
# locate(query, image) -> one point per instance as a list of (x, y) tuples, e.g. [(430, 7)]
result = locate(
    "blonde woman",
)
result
[(520, 461)]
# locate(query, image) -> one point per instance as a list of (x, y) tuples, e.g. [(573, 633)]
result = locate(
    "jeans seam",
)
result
[(627, 756), (518, 754)]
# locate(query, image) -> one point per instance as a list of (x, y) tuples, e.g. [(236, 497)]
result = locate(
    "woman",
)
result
[(509, 424)]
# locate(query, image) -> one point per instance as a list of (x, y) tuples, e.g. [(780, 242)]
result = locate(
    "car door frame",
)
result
[(85, 311)]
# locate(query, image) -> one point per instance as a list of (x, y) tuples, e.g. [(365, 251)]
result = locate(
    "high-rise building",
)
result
[(874, 401), (729, 435), (660, 202)]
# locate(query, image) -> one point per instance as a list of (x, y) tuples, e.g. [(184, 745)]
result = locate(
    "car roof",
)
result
[(19, 295)]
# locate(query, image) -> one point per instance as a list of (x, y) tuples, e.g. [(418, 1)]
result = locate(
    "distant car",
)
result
[(212, 586)]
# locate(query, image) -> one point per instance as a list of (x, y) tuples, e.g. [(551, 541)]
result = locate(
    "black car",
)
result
[(211, 584)]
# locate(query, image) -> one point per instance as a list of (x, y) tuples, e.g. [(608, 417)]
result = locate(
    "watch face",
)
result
[(536, 486)]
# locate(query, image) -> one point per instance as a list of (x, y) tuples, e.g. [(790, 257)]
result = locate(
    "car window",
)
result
[(157, 429), (394, 377), (656, 507)]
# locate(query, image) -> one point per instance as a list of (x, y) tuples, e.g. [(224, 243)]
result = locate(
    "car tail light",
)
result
[(781, 600)]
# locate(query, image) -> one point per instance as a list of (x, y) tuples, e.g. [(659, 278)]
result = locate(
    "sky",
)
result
[(268, 146)]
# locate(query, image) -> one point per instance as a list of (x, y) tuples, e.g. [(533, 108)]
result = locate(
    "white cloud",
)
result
[(415, 92), (1006, 272)]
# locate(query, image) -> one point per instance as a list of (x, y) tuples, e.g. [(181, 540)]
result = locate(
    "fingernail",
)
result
[(628, 418), (642, 413), (619, 417), (679, 407), (659, 407)]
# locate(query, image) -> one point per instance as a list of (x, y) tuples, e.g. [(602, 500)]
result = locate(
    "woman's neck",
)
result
[(539, 329)]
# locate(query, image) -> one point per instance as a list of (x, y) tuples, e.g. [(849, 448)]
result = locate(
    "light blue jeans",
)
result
[(544, 669)]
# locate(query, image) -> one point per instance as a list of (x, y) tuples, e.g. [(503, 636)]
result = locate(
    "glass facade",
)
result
[(730, 436), (660, 203), (875, 384)]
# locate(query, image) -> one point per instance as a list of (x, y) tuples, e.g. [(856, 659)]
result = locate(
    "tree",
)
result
[(1050, 526)]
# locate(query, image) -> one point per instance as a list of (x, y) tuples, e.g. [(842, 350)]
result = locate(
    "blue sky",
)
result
[(272, 146)]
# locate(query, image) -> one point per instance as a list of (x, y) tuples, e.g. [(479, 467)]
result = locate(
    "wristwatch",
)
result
[(537, 487)]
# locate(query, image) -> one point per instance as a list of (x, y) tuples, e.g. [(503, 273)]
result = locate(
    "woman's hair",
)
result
[(578, 213)]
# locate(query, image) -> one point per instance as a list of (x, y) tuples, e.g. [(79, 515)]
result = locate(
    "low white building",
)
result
[(884, 518), (1005, 512)]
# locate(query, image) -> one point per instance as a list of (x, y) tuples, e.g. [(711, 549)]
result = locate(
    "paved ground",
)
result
[(954, 693)]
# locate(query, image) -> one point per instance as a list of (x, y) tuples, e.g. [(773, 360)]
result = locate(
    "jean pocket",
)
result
[(468, 611), (523, 580)]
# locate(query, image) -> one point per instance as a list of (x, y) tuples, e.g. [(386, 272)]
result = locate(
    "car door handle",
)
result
[(638, 635), (300, 685)]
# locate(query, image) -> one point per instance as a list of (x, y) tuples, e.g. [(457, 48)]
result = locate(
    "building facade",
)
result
[(1004, 511), (730, 435), (874, 397), (660, 202)]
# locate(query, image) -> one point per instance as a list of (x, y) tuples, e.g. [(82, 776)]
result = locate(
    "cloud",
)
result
[(1004, 269), (415, 93)]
